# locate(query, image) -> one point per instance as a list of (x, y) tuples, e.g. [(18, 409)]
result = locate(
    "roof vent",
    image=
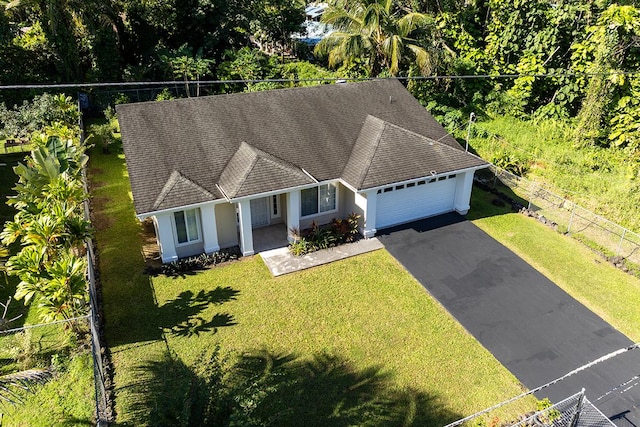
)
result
[(433, 173), (391, 100)]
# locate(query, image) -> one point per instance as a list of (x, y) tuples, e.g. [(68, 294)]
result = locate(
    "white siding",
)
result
[(414, 202)]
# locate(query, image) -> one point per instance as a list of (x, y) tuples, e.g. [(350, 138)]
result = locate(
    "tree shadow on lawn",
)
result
[(180, 316), (262, 388)]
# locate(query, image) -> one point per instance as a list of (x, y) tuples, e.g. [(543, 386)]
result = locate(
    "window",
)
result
[(187, 226), (421, 182), (318, 199), (411, 184), (452, 176), (275, 206), (442, 178), (399, 187)]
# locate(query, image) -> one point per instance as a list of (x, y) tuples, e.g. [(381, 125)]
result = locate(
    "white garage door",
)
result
[(399, 204)]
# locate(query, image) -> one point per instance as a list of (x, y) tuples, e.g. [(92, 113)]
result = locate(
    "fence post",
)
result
[(576, 416), (624, 231), (573, 211)]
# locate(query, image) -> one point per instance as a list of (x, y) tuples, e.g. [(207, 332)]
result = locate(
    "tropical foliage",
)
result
[(49, 225), (44, 110), (378, 31)]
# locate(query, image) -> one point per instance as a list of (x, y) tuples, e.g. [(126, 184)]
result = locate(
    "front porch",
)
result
[(270, 237)]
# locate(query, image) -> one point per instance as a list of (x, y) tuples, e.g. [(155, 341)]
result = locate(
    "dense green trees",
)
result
[(587, 48), (49, 227)]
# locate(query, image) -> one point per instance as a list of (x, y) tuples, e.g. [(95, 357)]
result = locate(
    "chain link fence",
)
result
[(574, 411), (99, 351), (97, 348), (588, 227)]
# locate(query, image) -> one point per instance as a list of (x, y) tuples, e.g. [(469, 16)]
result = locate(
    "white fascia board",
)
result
[(349, 186), (457, 171), (179, 208), (283, 190)]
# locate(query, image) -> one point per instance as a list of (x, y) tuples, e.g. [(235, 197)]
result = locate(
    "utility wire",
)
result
[(335, 79), (8, 331), (549, 384)]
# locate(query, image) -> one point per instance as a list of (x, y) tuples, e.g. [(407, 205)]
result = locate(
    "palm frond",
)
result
[(393, 47), (341, 19), (413, 21), (11, 384), (423, 58)]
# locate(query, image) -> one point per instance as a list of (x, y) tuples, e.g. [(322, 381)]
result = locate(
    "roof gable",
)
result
[(177, 188), (251, 171), (385, 153)]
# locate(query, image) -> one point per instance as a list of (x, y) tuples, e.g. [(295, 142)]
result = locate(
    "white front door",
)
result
[(260, 212)]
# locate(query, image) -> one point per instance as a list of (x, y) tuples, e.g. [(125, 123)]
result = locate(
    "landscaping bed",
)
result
[(316, 237)]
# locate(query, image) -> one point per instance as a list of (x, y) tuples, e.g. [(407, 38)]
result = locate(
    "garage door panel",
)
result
[(411, 203)]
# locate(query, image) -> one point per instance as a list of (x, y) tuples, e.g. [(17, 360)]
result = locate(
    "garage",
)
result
[(407, 202)]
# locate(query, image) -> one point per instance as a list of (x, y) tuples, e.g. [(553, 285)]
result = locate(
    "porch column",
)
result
[(464, 184), (209, 228), (293, 212), (368, 202), (246, 233), (164, 234)]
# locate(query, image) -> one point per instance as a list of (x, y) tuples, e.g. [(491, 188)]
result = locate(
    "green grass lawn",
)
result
[(356, 342), (603, 180), (607, 291)]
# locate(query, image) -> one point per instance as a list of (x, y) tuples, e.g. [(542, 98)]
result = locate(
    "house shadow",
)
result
[(425, 224), (262, 388)]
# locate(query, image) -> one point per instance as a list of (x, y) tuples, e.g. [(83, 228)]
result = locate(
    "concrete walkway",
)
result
[(280, 261), (531, 326)]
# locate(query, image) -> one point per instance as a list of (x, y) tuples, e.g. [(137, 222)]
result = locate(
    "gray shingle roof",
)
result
[(176, 189), (310, 128), (385, 153), (252, 171)]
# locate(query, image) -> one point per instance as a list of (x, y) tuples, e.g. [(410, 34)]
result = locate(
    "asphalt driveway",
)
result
[(530, 325)]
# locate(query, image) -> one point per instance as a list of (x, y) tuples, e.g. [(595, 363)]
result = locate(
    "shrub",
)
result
[(317, 237), (194, 263)]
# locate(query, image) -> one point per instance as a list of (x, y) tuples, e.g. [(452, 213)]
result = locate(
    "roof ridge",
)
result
[(168, 186), (273, 158), (257, 93), (365, 172), (425, 137), (172, 181), (257, 155), (440, 143), (254, 160)]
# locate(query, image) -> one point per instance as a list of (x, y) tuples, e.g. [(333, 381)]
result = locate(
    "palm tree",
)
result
[(377, 31)]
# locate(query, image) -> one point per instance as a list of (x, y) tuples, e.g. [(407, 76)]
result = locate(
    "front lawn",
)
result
[(356, 342)]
